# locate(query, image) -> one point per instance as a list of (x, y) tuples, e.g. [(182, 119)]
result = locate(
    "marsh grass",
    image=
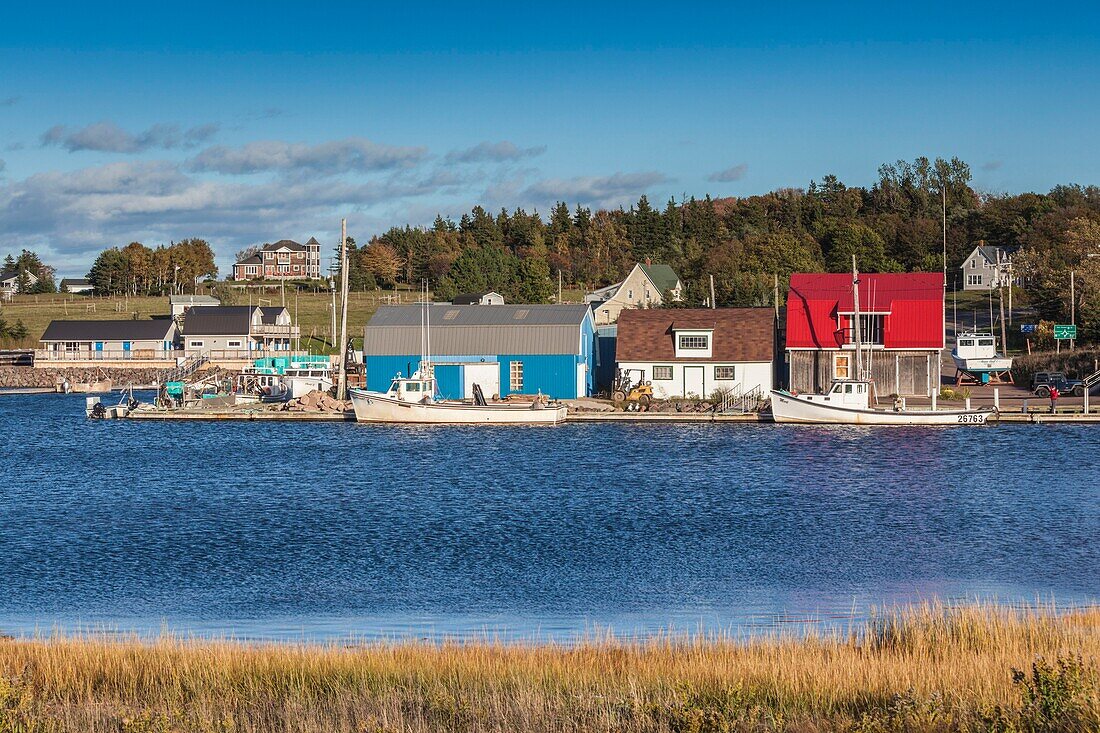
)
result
[(927, 668)]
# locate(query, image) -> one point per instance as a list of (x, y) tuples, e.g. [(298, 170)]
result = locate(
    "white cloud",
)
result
[(108, 137), (487, 152), (733, 173), (350, 155), (594, 190)]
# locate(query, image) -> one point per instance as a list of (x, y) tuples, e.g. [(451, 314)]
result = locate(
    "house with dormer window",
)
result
[(987, 268), (283, 260)]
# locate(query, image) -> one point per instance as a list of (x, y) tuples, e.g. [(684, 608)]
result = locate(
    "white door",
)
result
[(695, 381), (484, 374)]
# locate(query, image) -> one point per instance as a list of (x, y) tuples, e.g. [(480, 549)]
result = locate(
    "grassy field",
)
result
[(924, 669), (313, 311)]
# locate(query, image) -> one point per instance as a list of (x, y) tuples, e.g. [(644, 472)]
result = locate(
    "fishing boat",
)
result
[(975, 355), (848, 401), (413, 400)]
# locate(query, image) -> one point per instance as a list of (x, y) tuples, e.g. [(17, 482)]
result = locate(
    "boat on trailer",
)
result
[(975, 356), (413, 400), (848, 402)]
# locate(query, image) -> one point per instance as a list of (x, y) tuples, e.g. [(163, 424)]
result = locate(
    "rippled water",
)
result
[(282, 530)]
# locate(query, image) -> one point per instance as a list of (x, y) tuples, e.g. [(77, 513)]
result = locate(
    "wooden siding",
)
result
[(894, 372)]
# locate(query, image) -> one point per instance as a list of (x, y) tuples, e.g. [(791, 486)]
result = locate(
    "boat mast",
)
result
[(342, 384), (855, 320)]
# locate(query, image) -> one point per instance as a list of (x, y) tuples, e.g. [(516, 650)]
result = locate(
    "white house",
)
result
[(489, 298), (691, 352), (76, 286), (644, 287), (237, 331), (9, 282), (982, 270)]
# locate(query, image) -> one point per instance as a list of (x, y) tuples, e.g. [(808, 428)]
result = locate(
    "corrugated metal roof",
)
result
[(128, 330), (466, 330)]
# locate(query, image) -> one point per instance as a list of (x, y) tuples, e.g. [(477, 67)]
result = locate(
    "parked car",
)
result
[(1043, 381)]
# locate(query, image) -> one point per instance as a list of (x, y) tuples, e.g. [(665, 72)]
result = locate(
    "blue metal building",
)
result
[(505, 349)]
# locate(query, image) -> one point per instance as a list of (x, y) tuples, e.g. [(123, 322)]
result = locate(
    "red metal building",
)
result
[(901, 327)]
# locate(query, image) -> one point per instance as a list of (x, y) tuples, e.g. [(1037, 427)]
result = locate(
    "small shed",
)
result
[(180, 303), (505, 349)]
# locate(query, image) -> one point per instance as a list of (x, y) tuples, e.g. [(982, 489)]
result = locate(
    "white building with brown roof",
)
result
[(691, 352)]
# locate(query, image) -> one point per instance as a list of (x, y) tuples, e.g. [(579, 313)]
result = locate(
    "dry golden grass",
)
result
[(929, 668)]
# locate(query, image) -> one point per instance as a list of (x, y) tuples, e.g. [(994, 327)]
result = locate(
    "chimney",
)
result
[(647, 262)]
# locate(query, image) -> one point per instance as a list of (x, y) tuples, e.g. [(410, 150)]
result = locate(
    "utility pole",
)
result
[(943, 195), (712, 303), (559, 287), (775, 296), (342, 389), (1072, 307), (855, 320), (1001, 300)]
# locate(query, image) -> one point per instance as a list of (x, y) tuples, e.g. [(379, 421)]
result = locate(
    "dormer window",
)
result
[(694, 342)]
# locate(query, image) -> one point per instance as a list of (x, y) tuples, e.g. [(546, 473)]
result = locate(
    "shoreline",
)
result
[(929, 667)]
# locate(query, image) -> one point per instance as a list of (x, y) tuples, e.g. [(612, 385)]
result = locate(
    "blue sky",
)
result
[(264, 121)]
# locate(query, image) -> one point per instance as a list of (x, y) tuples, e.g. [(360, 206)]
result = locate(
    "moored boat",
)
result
[(412, 400), (848, 403)]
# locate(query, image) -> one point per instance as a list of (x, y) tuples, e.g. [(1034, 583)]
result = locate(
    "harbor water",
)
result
[(326, 531)]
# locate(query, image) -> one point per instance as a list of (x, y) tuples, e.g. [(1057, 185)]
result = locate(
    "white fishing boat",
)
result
[(413, 400), (848, 402), (976, 354)]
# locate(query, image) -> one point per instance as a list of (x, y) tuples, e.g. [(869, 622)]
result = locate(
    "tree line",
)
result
[(140, 270), (894, 225)]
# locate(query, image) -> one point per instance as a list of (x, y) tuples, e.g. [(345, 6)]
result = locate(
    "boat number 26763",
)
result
[(968, 418)]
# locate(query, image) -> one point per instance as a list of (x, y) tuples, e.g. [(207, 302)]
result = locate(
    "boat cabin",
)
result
[(844, 393), (412, 389), (976, 346)]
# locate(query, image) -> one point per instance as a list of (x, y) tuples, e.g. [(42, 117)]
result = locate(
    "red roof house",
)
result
[(901, 318)]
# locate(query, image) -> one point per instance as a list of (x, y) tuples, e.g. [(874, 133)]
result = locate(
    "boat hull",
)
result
[(992, 364), (374, 407), (788, 408), (301, 386)]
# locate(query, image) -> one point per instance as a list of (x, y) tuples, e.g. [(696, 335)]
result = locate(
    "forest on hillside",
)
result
[(894, 225)]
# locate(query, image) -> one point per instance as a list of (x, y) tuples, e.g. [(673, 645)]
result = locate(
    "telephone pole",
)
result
[(342, 388), (1072, 307), (1001, 300)]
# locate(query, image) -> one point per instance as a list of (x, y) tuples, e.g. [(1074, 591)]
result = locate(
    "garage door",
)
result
[(485, 374)]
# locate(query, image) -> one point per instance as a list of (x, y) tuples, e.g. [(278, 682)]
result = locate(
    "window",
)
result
[(233, 344), (515, 376), (195, 344), (724, 372), (841, 366), (973, 279), (694, 342), (662, 373), (870, 329), (630, 295)]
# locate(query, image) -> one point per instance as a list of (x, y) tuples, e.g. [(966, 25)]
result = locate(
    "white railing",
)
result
[(741, 401), (45, 355)]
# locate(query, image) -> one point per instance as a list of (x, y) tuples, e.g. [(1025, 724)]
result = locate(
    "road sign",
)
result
[(1065, 332), (1027, 328)]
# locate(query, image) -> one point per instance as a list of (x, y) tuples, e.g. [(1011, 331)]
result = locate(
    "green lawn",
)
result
[(312, 311)]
